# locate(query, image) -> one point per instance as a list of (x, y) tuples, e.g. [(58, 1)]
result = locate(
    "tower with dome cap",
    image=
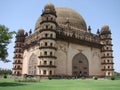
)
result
[(18, 53), (106, 51), (47, 40)]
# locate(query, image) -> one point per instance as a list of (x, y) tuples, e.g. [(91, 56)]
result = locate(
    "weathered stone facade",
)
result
[(62, 45)]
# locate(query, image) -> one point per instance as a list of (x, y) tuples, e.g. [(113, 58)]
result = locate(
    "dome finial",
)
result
[(89, 29), (98, 32)]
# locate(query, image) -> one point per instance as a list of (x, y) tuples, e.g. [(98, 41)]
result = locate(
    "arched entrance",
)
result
[(32, 65), (80, 65)]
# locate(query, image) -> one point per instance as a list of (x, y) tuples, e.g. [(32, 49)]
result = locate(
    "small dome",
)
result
[(49, 6), (105, 27), (21, 31)]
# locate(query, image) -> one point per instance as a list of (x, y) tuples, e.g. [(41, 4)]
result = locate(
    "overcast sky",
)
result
[(16, 14)]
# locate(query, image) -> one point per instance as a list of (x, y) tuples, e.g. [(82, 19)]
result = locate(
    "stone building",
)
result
[(61, 44)]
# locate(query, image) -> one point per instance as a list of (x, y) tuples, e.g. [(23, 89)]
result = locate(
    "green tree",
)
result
[(5, 37)]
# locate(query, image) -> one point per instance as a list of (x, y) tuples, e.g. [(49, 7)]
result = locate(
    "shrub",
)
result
[(26, 80), (112, 78), (95, 78), (5, 76), (50, 77)]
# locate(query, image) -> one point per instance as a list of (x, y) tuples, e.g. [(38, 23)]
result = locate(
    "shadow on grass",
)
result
[(8, 84)]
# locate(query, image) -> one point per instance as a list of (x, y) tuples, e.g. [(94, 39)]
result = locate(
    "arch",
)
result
[(50, 72), (80, 65), (51, 62), (32, 65)]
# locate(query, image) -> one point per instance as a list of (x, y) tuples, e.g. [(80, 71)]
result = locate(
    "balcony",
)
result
[(50, 38), (17, 68), (18, 57), (46, 21), (107, 57), (107, 69), (48, 47), (47, 66), (52, 30), (17, 62), (48, 57), (106, 50), (107, 63)]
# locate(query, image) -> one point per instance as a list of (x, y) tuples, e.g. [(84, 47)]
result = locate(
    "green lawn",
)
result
[(62, 84)]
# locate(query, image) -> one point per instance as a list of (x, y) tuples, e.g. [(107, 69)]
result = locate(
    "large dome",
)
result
[(63, 15)]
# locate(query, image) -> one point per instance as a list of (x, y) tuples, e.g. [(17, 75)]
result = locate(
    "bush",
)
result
[(112, 78), (5, 76), (50, 77), (95, 78), (26, 80)]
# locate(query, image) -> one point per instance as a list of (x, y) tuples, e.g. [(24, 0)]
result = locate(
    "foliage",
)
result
[(95, 78), (30, 79), (5, 37), (50, 77), (112, 78), (117, 74), (5, 76), (5, 72)]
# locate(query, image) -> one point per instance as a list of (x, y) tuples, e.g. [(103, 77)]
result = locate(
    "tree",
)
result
[(5, 37), (5, 71)]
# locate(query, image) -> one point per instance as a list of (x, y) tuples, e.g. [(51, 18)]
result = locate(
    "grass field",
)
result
[(62, 84)]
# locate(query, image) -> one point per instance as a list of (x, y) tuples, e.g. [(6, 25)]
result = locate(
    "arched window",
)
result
[(50, 62), (108, 73), (107, 48), (51, 53), (45, 53), (51, 44), (18, 61), (46, 44), (51, 35), (19, 55), (51, 18), (44, 72), (18, 73), (50, 72), (45, 62), (18, 66), (46, 26), (46, 35), (51, 27)]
